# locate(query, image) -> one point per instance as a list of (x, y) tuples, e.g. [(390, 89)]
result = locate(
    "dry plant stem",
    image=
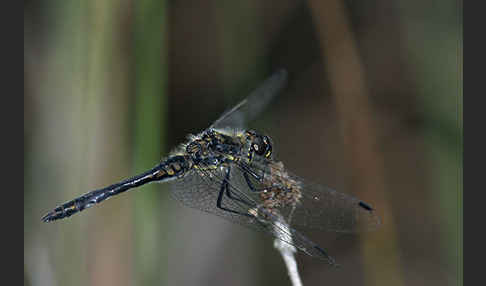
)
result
[(287, 251), (362, 160)]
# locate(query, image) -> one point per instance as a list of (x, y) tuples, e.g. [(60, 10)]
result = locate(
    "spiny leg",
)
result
[(230, 194), (249, 183), (246, 174), (225, 187)]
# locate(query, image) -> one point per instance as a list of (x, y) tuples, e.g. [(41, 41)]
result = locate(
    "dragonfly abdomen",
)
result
[(171, 168)]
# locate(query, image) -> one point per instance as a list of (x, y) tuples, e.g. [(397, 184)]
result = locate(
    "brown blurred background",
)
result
[(373, 108)]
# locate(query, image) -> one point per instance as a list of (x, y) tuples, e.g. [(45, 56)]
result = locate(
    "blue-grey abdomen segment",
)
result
[(173, 167)]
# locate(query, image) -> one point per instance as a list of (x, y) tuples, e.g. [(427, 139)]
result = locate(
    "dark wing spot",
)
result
[(365, 206)]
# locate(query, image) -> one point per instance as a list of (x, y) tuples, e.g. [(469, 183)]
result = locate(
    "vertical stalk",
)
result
[(150, 49)]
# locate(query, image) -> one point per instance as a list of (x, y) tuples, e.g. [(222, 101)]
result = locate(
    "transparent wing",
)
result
[(199, 189), (327, 209), (319, 207), (254, 104)]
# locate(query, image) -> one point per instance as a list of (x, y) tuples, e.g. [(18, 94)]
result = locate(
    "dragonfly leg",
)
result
[(247, 172), (229, 193), (249, 183), (225, 188)]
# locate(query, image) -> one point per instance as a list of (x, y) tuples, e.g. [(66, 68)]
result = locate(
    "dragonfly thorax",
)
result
[(217, 146), (213, 147)]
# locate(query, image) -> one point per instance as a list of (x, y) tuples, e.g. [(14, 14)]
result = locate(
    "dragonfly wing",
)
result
[(199, 189), (254, 104), (318, 207), (327, 209)]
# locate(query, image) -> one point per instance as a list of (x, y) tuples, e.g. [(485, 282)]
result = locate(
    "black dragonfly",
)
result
[(231, 172)]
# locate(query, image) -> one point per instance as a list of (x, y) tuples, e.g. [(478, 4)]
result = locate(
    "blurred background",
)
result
[(373, 108)]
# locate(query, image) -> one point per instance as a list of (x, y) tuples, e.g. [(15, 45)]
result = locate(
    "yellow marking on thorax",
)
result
[(160, 173), (170, 171)]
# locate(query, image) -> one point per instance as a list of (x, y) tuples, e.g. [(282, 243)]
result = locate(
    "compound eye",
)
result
[(259, 146), (262, 146)]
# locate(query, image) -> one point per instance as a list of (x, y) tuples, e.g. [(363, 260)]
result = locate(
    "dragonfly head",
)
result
[(260, 145)]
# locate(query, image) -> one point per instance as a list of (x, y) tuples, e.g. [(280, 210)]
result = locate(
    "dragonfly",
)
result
[(230, 171)]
